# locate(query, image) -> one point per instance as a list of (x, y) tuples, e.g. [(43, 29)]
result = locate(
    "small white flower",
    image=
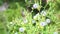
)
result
[(48, 21), (35, 6), (16, 33), (36, 16), (33, 21), (21, 29), (55, 32), (43, 13), (25, 21), (43, 23)]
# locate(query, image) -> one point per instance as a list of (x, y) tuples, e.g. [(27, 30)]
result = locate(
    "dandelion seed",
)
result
[(35, 6), (21, 29), (55, 32), (43, 23), (43, 13), (48, 21)]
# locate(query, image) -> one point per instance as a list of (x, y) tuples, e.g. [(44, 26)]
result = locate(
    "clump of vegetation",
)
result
[(31, 17)]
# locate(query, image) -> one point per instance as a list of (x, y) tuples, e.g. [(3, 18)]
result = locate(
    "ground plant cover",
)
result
[(29, 16)]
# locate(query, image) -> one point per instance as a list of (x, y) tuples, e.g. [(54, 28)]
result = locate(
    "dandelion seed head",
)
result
[(48, 20), (35, 6), (21, 29), (43, 23)]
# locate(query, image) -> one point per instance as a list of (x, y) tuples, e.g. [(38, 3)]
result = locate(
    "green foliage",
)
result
[(1, 2), (15, 19)]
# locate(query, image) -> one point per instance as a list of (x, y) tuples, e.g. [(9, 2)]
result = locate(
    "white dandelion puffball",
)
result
[(43, 13), (48, 20), (55, 32), (21, 29), (25, 21), (43, 23), (35, 5)]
